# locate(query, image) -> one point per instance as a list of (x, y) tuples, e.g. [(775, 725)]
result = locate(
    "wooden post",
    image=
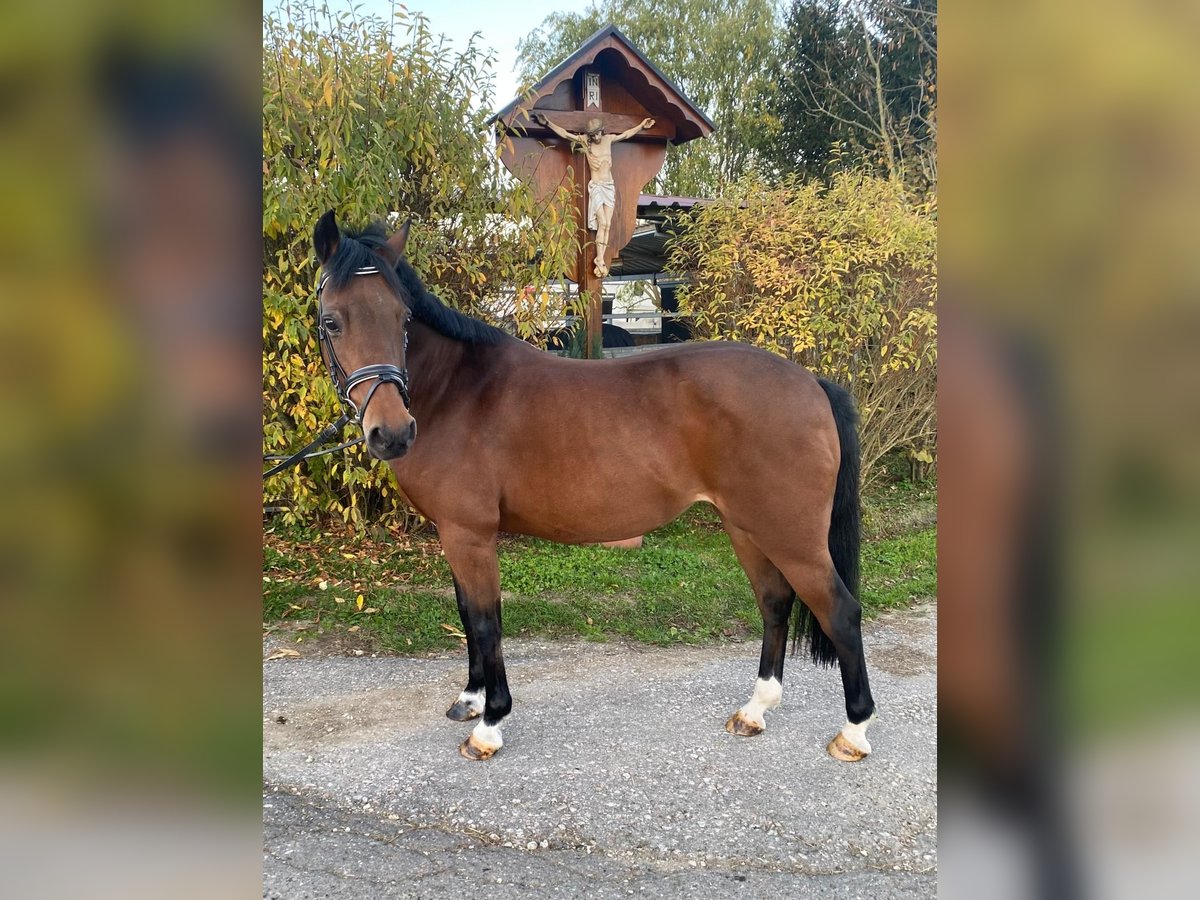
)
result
[(591, 291), (591, 288)]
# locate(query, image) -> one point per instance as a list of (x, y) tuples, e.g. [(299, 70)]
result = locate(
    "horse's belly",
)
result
[(613, 513)]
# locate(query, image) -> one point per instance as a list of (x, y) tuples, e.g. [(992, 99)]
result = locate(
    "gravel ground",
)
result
[(616, 778)]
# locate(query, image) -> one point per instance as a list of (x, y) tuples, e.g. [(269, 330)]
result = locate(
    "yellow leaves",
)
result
[(411, 140), (840, 278), (358, 603)]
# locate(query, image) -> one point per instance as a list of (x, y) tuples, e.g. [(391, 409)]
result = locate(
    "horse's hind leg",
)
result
[(775, 598), (839, 616)]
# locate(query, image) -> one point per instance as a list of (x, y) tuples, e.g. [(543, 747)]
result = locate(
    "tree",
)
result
[(717, 52), (381, 120), (856, 78)]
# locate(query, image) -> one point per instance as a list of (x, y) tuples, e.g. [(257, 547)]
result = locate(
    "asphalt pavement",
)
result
[(617, 777)]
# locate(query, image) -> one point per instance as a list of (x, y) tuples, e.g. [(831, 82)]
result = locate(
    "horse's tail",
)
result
[(844, 525)]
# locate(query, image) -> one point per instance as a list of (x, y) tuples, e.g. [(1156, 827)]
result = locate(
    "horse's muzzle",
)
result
[(386, 443)]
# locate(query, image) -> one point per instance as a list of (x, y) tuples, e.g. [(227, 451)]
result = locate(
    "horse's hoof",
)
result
[(840, 748), (739, 724), (475, 751), (462, 712)]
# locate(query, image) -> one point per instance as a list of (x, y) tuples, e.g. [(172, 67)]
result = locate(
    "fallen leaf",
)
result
[(324, 585), (339, 600), (369, 610), (452, 630), (352, 628), (283, 653), (359, 601)]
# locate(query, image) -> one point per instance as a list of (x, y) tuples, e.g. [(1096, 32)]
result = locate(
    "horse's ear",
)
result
[(326, 237), (398, 240)]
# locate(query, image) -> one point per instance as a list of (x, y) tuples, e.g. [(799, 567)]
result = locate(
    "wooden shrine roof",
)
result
[(639, 76)]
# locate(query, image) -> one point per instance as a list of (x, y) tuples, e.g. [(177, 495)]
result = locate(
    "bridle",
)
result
[(380, 373), (343, 384)]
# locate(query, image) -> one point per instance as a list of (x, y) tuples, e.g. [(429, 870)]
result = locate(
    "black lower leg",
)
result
[(846, 634), (474, 660), (776, 612), (487, 629)]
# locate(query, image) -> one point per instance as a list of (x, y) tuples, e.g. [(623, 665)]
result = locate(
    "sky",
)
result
[(501, 23)]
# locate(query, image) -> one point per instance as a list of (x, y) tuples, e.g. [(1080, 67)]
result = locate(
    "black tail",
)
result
[(844, 525)]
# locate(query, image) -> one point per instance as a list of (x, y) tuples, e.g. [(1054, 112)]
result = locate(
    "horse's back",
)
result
[(745, 386), (742, 367), (690, 418)]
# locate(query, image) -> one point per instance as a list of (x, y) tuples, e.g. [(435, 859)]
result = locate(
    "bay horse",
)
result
[(516, 439)]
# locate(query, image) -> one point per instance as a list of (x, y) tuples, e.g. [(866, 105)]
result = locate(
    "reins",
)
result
[(380, 373), (329, 433)]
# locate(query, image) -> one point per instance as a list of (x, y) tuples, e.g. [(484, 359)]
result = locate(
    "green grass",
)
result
[(897, 571), (683, 586)]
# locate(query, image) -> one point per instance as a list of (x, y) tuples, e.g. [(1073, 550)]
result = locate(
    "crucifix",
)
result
[(600, 121), (601, 189)]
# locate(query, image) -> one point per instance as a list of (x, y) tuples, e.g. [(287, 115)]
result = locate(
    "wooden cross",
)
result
[(635, 162), (607, 79)]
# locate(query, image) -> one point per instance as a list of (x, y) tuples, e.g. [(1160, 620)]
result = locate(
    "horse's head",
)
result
[(362, 321)]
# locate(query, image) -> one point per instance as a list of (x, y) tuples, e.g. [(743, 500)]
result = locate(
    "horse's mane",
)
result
[(360, 249)]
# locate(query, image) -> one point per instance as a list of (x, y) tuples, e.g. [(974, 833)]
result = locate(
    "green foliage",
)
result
[(683, 586), (856, 83), (381, 120), (717, 52), (834, 84), (840, 278)]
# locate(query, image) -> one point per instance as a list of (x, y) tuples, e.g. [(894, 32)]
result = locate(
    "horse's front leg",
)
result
[(469, 704), (471, 554)]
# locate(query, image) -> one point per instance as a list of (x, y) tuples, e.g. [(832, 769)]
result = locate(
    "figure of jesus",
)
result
[(602, 192)]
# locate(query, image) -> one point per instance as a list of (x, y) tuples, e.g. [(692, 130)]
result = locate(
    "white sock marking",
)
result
[(488, 735), (767, 695), (857, 734), (473, 700)]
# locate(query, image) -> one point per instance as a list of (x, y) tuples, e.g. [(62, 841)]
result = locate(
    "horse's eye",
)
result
[(329, 323)]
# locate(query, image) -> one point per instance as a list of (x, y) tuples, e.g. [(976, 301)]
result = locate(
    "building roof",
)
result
[(661, 201)]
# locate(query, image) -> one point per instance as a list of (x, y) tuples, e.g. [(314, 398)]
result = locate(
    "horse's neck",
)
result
[(438, 364)]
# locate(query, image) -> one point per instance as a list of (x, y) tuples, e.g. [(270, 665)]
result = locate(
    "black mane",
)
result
[(360, 249)]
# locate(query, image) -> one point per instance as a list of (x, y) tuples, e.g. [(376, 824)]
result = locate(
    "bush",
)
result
[(380, 120), (840, 278)]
